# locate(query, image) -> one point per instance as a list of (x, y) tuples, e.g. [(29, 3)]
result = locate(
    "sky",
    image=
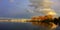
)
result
[(17, 8), (14, 8)]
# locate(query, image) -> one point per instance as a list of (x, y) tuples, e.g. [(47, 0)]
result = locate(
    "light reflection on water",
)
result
[(26, 26), (45, 26)]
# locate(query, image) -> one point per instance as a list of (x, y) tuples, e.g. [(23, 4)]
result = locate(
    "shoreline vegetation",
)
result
[(55, 20)]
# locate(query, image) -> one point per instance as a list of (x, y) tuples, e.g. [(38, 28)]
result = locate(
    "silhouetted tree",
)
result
[(55, 21), (46, 21), (59, 21)]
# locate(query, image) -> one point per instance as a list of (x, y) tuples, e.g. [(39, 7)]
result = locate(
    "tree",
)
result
[(59, 21), (55, 21)]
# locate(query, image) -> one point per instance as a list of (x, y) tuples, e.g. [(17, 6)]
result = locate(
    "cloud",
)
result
[(11, 1), (37, 4)]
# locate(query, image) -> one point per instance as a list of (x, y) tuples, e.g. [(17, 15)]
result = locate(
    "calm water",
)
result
[(23, 26)]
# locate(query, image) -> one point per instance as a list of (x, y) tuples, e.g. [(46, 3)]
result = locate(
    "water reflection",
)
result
[(45, 26)]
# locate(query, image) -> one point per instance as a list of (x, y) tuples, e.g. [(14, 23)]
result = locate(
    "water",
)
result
[(24, 26)]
